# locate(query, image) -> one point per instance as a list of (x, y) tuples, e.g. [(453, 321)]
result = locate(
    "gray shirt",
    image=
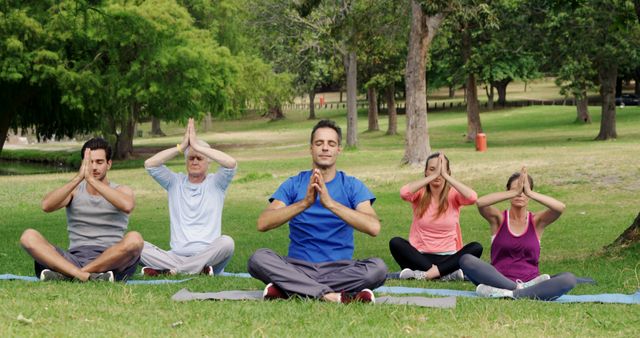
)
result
[(92, 220)]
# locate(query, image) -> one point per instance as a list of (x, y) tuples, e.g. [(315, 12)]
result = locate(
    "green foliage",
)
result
[(76, 66), (587, 35), (498, 52)]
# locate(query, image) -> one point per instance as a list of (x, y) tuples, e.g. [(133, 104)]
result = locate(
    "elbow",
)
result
[(561, 207), (128, 208), (262, 225), (232, 164), (375, 230), (46, 207), (148, 164)]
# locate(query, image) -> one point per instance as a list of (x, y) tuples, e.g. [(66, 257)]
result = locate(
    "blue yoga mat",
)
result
[(581, 280), (599, 298), (132, 281), (9, 276)]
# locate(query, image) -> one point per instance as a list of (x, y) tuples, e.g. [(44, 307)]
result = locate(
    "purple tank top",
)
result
[(516, 257)]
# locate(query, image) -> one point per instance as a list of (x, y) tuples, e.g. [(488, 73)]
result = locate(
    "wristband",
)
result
[(179, 148)]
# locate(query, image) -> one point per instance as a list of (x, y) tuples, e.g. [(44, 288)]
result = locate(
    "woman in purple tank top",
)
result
[(515, 245)]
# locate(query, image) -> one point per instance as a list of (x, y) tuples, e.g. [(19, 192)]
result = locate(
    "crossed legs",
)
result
[(117, 257), (317, 280)]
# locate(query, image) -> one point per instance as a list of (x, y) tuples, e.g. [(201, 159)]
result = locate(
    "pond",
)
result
[(31, 168)]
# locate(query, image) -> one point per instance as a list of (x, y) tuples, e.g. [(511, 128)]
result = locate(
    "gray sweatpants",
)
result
[(296, 276), (218, 254)]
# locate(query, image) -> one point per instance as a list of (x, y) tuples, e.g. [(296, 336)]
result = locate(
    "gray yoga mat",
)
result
[(186, 295)]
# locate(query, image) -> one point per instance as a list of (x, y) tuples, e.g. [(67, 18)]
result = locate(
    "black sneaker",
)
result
[(102, 277), (49, 275)]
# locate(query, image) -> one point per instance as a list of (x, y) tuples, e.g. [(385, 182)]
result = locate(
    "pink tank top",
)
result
[(516, 257)]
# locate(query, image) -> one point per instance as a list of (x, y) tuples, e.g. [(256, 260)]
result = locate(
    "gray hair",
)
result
[(201, 143)]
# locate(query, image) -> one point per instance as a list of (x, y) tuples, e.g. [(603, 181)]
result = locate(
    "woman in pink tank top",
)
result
[(515, 245)]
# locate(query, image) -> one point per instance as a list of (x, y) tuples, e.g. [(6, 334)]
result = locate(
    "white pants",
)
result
[(218, 254)]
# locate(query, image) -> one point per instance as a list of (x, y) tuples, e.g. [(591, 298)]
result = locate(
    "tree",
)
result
[(292, 43), (31, 61), (608, 32), (426, 18), (382, 55), (576, 73)]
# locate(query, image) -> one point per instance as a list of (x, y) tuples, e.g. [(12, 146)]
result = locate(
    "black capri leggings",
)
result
[(408, 257)]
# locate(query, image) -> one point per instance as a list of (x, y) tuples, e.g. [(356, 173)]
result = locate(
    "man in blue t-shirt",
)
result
[(322, 206)]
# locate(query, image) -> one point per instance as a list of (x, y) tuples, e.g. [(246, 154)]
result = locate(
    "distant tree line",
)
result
[(81, 66)]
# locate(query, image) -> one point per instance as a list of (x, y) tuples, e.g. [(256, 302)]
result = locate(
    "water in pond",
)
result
[(31, 168)]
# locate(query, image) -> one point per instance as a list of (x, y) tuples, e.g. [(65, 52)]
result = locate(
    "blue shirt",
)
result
[(316, 234)]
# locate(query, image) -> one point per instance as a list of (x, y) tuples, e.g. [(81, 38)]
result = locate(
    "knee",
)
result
[(466, 261), (376, 272), (227, 243), (28, 238), (568, 279), (258, 257), (475, 249), (396, 242), (133, 242)]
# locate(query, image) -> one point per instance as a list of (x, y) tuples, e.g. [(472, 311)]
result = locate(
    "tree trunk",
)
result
[(501, 87), (474, 126), (351, 69), (275, 113), (5, 120), (423, 29), (452, 91), (124, 139), (607, 76), (312, 105), (372, 95), (637, 74), (207, 122), (390, 95), (629, 236), (155, 127), (340, 96), (490, 94), (473, 106), (582, 105)]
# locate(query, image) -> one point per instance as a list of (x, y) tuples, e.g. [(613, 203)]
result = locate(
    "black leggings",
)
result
[(408, 257)]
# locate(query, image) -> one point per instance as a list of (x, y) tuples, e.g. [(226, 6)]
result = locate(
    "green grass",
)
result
[(598, 181)]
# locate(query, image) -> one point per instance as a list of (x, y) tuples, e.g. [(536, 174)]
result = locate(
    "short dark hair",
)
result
[(515, 176), (97, 143), (327, 124)]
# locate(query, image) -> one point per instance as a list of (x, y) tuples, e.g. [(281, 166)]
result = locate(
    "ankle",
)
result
[(332, 297), (83, 276)]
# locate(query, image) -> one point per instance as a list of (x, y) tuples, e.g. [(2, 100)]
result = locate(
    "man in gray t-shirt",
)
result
[(97, 219), (195, 210)]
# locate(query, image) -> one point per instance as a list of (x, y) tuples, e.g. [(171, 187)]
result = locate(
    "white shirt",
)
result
[(195, 210)]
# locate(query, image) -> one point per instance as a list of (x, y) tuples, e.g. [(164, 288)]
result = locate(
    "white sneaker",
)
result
[(411, 274), (534, 281), (492, 292), (454, 276)]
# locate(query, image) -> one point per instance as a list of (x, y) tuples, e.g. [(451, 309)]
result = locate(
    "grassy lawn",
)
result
[(598, 181)]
